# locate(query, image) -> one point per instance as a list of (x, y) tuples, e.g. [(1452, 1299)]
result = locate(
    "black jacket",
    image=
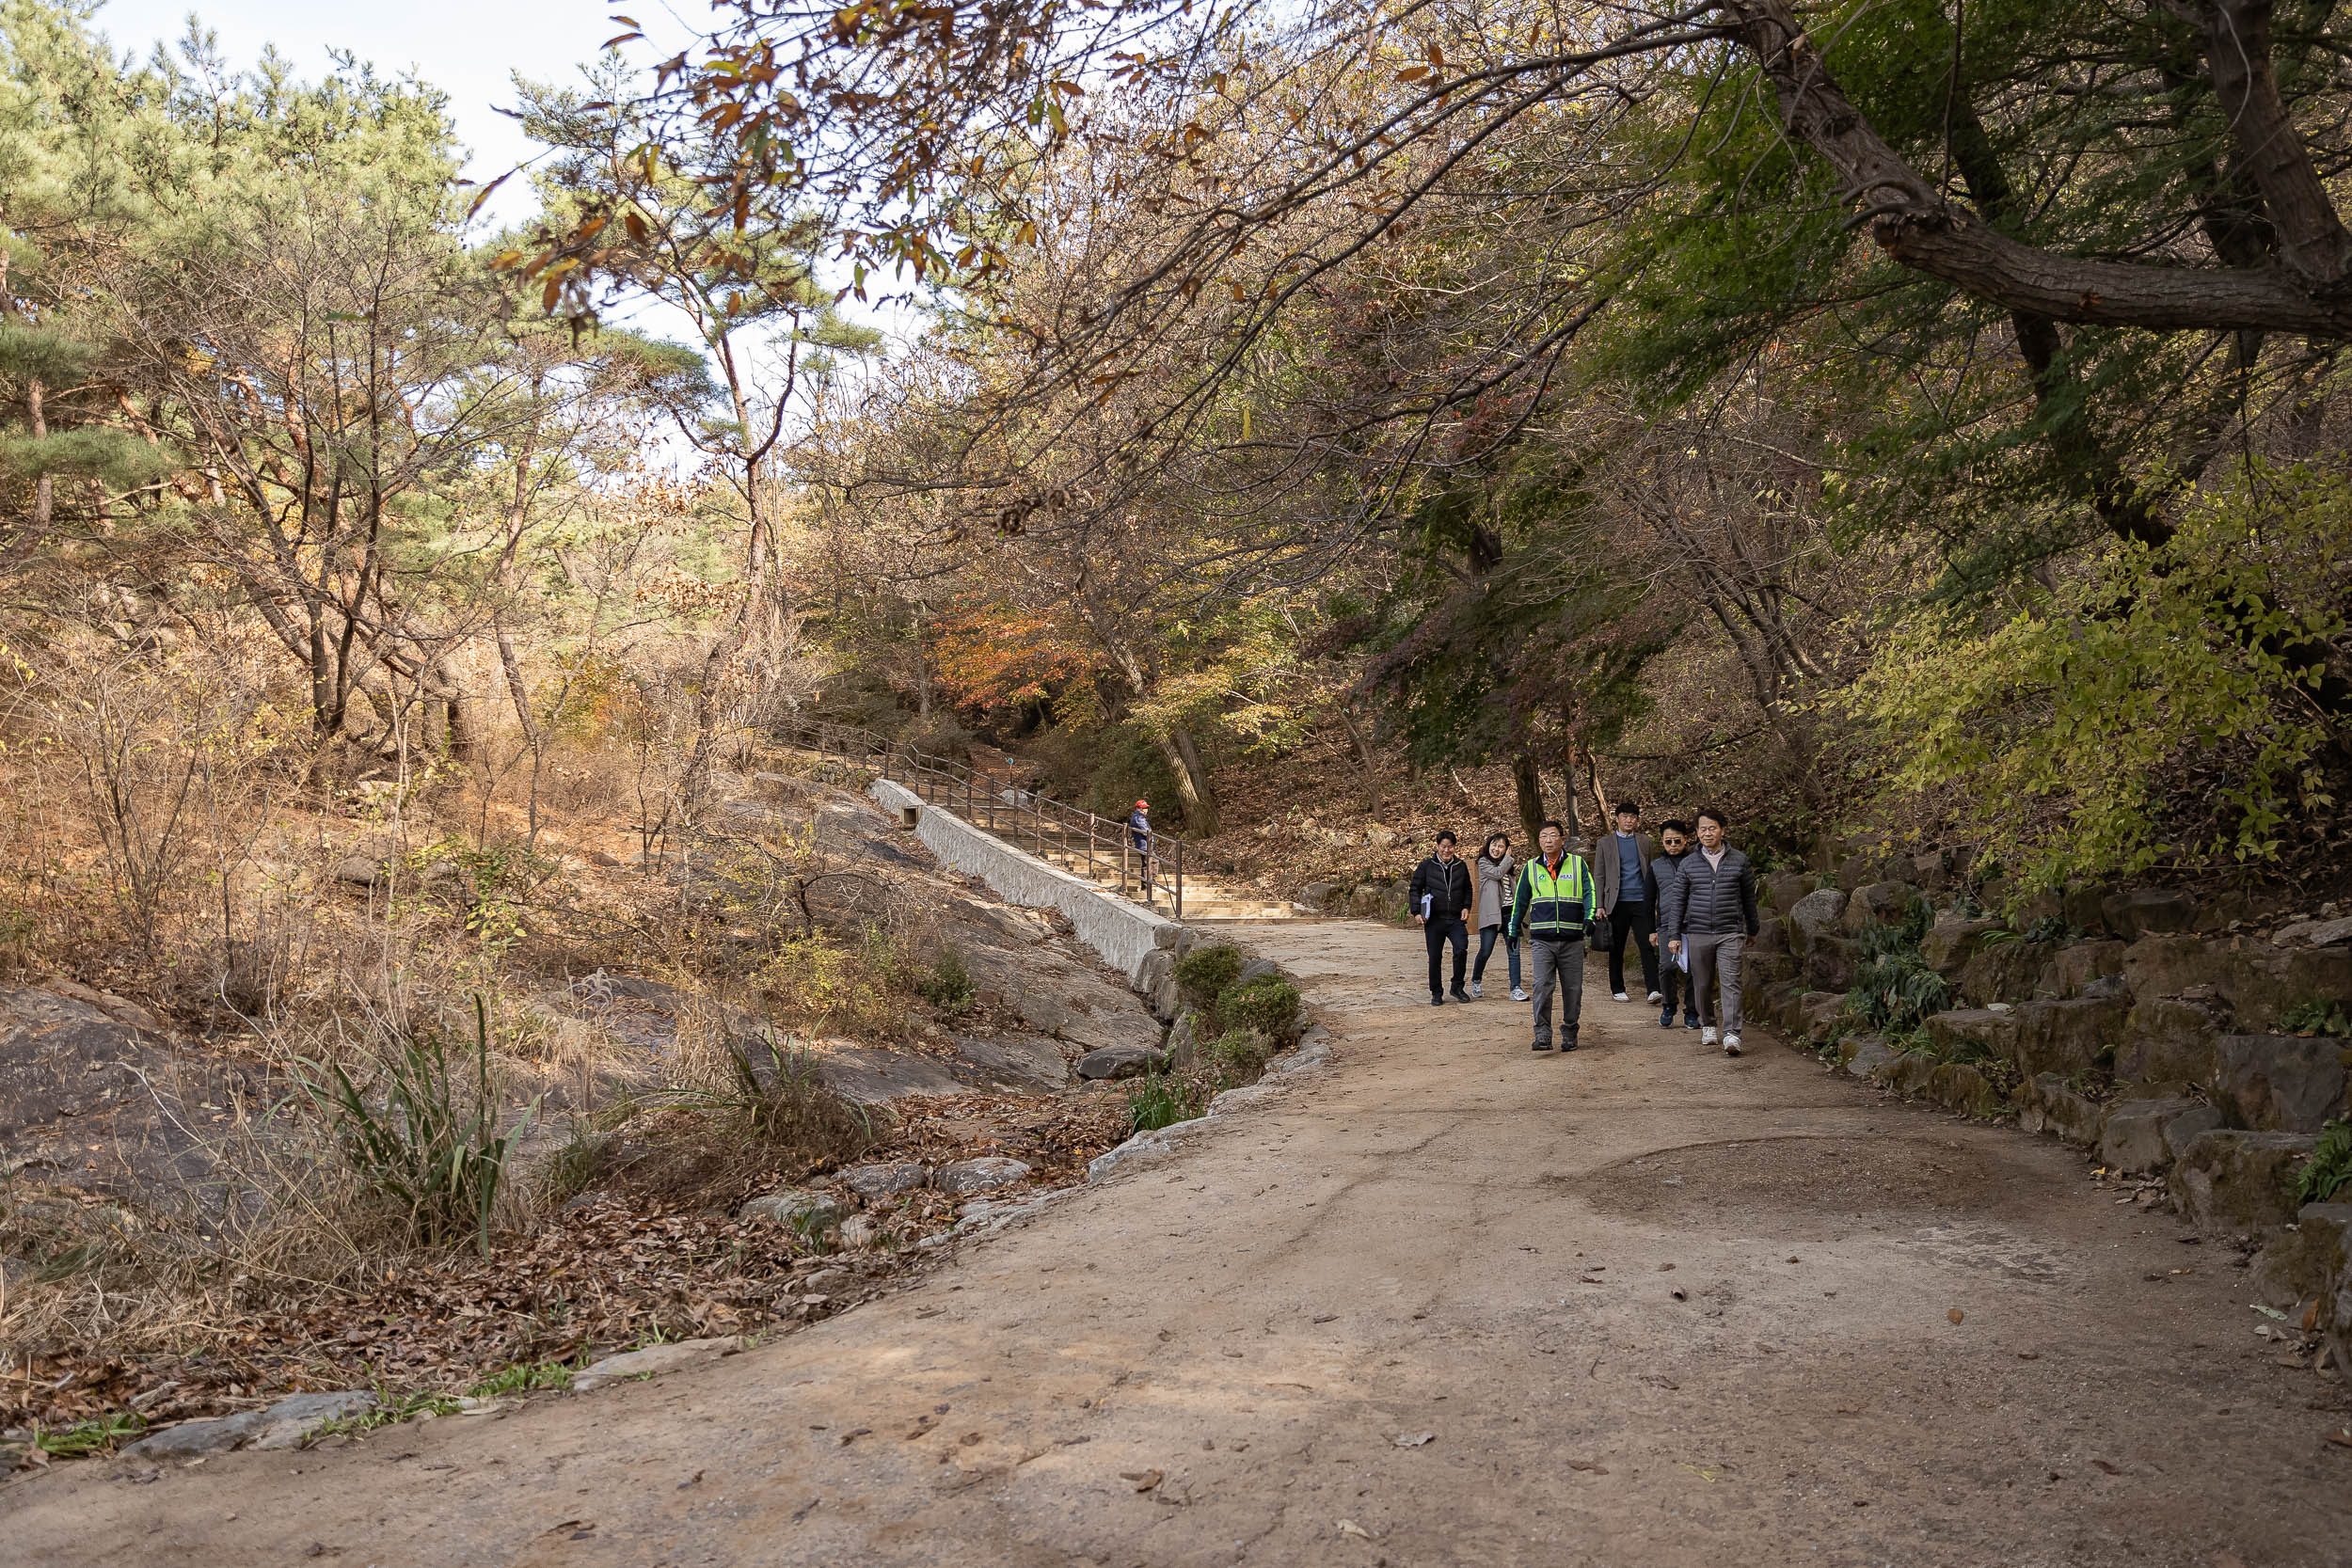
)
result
[(1709, 900), (1448, 884)]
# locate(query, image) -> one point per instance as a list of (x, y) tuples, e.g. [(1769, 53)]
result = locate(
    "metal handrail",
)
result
[(945, 781)]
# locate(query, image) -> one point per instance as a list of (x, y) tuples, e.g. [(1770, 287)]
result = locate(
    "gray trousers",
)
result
[(1561, 964), (1715, 960)]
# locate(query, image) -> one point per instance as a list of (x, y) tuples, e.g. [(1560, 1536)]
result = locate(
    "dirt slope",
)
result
[(1214, 1358)]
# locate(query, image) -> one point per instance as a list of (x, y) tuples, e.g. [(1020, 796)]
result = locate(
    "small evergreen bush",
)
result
[(2330, 1168), (1896, 991), (1268, 1005), (1204, 974)]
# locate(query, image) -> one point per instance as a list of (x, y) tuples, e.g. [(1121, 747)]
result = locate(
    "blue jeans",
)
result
[(1487, 936)]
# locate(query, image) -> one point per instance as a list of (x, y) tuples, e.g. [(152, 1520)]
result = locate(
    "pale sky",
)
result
[(469, 49)]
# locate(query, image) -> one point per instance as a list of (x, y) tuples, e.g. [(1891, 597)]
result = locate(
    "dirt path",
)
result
[(1444, 1234)]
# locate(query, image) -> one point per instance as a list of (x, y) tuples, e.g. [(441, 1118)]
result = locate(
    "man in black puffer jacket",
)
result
[(1440, 897), (1711, 913)]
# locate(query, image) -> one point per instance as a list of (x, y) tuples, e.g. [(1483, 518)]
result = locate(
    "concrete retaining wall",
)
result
[(1124, 932)]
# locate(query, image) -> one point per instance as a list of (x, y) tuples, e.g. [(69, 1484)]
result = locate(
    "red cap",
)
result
[(1143, 805)]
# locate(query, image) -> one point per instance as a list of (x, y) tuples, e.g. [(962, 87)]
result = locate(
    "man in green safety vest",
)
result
[(1551, 910)]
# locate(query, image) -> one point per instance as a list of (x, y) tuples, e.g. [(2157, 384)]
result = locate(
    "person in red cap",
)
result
[(1139, 834)]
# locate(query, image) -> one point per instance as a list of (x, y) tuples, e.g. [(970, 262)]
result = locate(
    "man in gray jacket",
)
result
[(1710, 912)]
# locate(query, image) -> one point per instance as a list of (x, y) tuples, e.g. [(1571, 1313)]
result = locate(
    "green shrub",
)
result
[(1204, 974), (1240, 1056), (422, 1136), (523, 1377), (2330, 1168), (947, 985), (1895, 990), (2318, 1017), (85, 1438), (788, 1102), (1163, 1100), (1268, 1005)]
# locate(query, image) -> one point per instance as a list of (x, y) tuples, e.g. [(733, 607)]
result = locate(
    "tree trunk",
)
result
[(520, 694), (922, 667), (1530, 784), (451, 693), (1910, 220), (1567, 788), (1192, 782), (1363, 744)]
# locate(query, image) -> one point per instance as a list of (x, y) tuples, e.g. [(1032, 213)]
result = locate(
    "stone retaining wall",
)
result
[(1123, 932)]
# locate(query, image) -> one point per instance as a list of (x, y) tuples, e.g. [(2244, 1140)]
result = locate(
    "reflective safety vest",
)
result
[(1557, 906)]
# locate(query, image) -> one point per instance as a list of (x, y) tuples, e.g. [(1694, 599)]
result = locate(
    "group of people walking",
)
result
[(1684, 901)]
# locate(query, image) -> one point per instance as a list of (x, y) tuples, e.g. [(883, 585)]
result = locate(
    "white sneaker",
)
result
[(1731, 1045), (1475, 991), (1706, 1035), (1518, 993), (1623, 997), (1655, 997)]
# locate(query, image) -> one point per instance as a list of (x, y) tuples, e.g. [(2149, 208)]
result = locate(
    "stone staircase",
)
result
[(1204, 901)]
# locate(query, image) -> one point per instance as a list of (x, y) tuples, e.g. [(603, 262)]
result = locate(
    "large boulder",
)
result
[(2069, 1036), (1818, 1012), (1967, 1033), (2048, 1103), (2006, 972), (984, 1175), (653, 1360), (2169, 1040), (2306, 1263), (1777, 1005), (1856, 871), (2082, 905), (2081, 962), (1153, 974), (1811, 916), (1869, 1057), (1120, 1061), (2149, 1135), (1951, 942), (1967, 1090), (1931, 870), (2172, 964), (2229, 1182), (1782, 889), (878, 1183), (1771, 936), (1832, 962), (801, 1209), (2141, 911), (2313, 933), (283, 1425), (2280, 1083), (1883, 903), (1184, 1041), (1912, 1073), (2267, 983), (1760, 970)]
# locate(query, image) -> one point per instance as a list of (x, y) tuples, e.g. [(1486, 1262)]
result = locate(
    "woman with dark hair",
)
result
[(1494, 871)]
